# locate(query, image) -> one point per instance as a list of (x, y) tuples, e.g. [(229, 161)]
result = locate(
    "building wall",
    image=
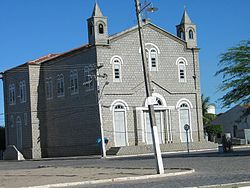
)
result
[(69, 125), (165, 82), (72, 121), (12, 112)]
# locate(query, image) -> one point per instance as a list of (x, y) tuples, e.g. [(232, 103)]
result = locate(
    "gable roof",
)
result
[(113, 37), (49, 57), (150, 25), (232, 115)]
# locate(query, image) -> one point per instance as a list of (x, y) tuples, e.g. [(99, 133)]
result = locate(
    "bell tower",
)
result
[(97, 27), (186, 30)]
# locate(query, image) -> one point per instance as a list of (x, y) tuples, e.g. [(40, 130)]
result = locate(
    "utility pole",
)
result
[(100, 108), (156, 144)]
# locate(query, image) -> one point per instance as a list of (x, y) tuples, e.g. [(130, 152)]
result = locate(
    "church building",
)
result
[(55, 105)]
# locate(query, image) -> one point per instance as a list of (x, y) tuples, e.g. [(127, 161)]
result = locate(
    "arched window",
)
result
[(117, 62), (159, 102), (22, 91), (153, 60), (49, 88), (73, 82), (181, 62), (60, 85), (12, 94), (119, 107), (182, 71), (101, 28), (191, 34)]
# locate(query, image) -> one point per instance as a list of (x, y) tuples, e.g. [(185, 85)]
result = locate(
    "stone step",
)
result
[(171, 147)]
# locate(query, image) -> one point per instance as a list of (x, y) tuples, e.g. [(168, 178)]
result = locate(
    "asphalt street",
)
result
[(210, 167)]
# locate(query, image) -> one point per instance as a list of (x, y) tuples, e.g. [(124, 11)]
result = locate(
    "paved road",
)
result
[(211, 168)]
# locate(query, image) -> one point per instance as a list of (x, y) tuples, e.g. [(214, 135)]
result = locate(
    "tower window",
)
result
[(191, 34), (90, 29), (101, 28), (182, 35)]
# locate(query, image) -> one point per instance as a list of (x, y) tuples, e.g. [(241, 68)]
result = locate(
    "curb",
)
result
[(121, 179)]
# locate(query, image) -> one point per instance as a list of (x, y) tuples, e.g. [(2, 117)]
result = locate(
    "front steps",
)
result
[(171, 147)]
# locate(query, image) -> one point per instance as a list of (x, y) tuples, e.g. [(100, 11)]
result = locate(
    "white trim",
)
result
[(118, 101), (156, 47), (157, 95), (181, 59), (190, 106), (115, 57), (183, 100), (119, 63)]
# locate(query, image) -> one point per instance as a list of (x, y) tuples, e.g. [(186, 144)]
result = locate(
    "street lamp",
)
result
[(156, 144)]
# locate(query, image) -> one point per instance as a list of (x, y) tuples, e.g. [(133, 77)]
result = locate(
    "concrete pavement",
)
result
[(84, 171), (50, 176)]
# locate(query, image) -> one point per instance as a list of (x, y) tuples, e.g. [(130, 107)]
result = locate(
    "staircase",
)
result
[(171, 147)]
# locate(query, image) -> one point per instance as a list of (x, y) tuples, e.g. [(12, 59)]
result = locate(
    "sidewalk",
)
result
[(49, 176)]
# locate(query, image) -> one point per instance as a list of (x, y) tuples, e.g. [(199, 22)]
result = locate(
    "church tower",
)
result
[(186, 30), (97, 27)]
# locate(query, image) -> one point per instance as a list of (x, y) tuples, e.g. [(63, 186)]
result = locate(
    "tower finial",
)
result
[(97, 11)]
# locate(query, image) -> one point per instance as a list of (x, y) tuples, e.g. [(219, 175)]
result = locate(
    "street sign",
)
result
[(186, 127)]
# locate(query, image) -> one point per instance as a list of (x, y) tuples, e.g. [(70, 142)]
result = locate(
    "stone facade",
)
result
[(64, 91)]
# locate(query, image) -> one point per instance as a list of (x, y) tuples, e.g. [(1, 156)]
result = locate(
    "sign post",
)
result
[(187, 127)]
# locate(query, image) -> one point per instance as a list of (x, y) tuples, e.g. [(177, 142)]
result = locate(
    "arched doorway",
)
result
[(120, 123), (161, 120), (184, 118)]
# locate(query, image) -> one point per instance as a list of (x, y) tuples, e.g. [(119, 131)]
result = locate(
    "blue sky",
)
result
[(30, 29)]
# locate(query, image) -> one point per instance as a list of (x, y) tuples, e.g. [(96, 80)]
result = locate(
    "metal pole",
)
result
[(156, 144), (102, 132), (100, 116), (187, 141)]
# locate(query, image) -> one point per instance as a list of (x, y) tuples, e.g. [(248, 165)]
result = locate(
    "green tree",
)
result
[(235, 69), (207, 117)]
